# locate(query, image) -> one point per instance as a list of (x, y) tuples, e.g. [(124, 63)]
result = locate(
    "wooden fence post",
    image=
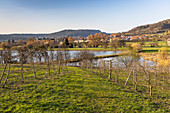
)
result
[(110, 69)]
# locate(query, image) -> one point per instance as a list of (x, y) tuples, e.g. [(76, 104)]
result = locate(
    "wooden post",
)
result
[(104, 66), (59, 67), (34, 70), (22, 68), (110, 69), (3, 72), (135, 80), (149, 84), (156, 72), (92, 66), (100, 68), (7, 75), (150, 90), (87, 64), (129, 76)]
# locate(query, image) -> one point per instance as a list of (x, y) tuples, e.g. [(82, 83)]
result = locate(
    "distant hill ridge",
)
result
[(63, 33), (19, 36), (151, 28), (144, 29), (74, 33)]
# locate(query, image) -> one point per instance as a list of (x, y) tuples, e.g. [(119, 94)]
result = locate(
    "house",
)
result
[(78, 41), (61, 43), (168, 41)]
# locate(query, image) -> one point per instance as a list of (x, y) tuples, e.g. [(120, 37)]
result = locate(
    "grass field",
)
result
[(94, 49), (152, 49), (146, 48), (76, 90), (160, 43)]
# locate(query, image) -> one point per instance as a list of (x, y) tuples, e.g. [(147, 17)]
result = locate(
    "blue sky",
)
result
[(46, 16)]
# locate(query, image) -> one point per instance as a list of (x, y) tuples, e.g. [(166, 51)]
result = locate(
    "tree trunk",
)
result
[(92, 66), (7, 75), (117, 77), (156, 73), (110, 69), (149, 84), (150, 90), (48, 66), (129, 76), (54, 69), (22, 69), (104, 68), (100, 69), (34, 70), (59, 67), (3, 72), (134, 80)]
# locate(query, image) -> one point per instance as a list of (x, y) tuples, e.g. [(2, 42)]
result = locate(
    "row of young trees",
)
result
[(140, 73), (30, 55), (129, 66)]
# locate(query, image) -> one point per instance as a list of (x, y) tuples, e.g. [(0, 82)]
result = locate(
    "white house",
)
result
[(168, 41)]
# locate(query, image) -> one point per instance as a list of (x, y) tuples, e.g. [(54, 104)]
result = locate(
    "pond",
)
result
[(99, 53), (96, 53)]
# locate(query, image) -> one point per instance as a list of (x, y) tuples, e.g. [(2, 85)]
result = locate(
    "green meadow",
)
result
[(145, 48), (77, 90)]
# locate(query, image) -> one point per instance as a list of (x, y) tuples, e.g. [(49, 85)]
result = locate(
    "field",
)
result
[(146, 48), (76, 90)]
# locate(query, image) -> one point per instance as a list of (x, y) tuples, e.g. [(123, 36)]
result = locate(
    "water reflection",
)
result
[(72, 54)]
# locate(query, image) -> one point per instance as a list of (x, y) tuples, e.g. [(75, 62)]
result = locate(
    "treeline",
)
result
[(96, 40)]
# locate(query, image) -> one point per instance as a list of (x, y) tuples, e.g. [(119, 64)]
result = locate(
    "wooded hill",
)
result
[(19, 36), (73, 33), (63, 33), (159, 27)]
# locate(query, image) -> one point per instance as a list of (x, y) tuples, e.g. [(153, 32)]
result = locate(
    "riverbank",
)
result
[(89, 49), (144, 49), (155, 58), (100, 57)]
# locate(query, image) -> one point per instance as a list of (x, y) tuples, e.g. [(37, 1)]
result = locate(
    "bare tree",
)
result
[(7, 60), (32, 55), (110, 69), (60, 60), (52, 58), (22, 55)]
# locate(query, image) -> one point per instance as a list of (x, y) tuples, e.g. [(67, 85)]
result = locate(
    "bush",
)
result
[(137, 47), (163, 53)]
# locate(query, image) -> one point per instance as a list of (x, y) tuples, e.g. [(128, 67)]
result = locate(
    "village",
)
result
[(92, 41)]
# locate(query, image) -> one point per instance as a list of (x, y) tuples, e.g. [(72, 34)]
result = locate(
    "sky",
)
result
[(47, 16)]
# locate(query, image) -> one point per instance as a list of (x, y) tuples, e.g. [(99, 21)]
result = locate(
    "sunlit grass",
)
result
[(76, 90)]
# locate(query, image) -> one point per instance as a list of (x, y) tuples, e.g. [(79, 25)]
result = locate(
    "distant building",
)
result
[(78, 41), (168, 41), (61, 43)]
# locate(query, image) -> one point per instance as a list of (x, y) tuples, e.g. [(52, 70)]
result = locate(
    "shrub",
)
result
[(163, 53), (137, 46)]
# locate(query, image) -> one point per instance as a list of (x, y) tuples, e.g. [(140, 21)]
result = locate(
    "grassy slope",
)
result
[(76, 91)]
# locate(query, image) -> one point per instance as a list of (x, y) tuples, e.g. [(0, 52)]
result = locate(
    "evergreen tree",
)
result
[(66, 43)]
